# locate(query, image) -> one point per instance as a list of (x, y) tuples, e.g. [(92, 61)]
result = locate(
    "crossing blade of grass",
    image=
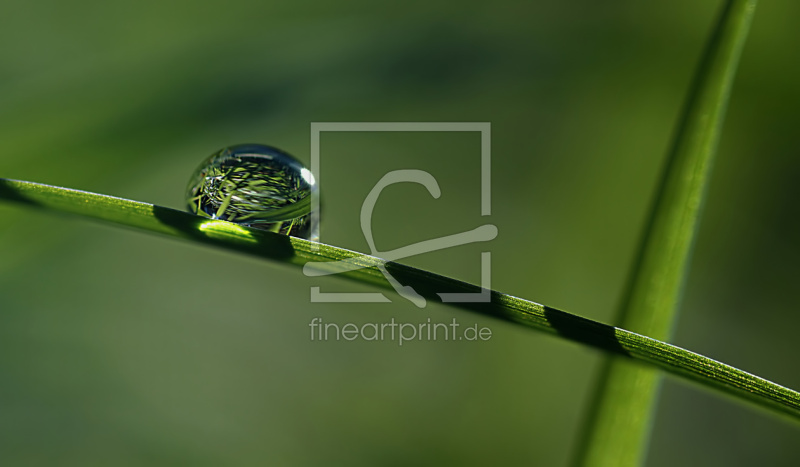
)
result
[(632, 346), (621, 421)]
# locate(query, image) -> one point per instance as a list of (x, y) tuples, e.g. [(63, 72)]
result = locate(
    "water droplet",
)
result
[(257, 186)]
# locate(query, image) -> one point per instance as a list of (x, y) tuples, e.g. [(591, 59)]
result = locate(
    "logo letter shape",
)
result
[(483, 233)]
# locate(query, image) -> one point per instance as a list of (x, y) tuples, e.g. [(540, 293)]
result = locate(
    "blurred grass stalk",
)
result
[(619, 426)]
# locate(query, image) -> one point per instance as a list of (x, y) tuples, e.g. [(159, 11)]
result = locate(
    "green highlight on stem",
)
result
[(621, 421), (296, 251)]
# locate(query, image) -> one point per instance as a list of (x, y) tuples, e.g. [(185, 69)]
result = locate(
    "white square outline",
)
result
[(486, 201)]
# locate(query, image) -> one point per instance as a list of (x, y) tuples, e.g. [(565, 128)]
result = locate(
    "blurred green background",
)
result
[(124, 348)]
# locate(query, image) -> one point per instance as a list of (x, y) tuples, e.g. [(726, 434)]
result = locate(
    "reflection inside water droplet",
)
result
[(257, 186)]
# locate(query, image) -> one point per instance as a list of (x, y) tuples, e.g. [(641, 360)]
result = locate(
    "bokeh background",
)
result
[(124, 348)]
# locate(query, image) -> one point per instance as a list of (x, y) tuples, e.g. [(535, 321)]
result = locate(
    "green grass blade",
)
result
[(622, 413), (299, 252)]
